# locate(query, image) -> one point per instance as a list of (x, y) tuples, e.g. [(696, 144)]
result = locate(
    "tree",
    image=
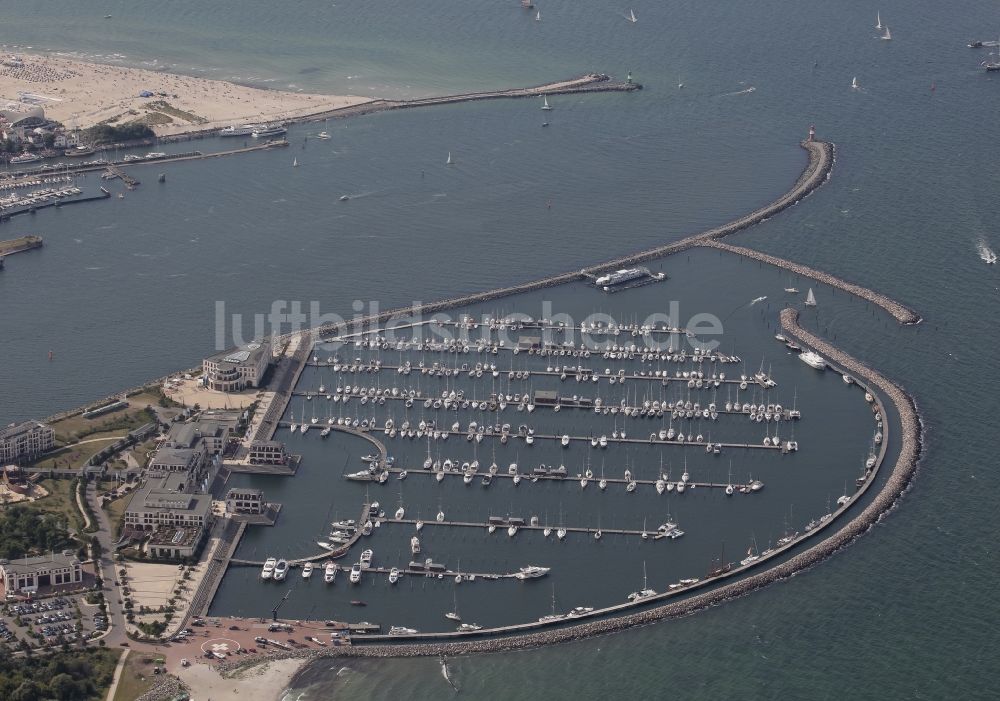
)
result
[(27, 691), (63, 686)]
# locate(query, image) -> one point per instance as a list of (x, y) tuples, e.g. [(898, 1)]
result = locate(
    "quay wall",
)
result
[(902, 314), (18, 245), (899, 477)]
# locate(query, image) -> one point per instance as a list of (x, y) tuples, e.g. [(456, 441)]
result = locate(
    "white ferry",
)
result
[(620, 276), (245, 130), (25, 158), (268, 130)]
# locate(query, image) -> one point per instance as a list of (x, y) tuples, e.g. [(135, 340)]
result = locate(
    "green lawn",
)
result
[(121, 421), (61, 501)]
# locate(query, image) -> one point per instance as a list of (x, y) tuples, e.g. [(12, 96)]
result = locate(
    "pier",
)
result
[(588, 83)]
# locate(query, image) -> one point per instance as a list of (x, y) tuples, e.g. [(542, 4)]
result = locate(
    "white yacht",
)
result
[(401, 630), (307, 570), (415, 545), (469, 627), (393, 575), (355, 573), (280, 570), (330, 572), (813, 360), (366, 558), (532, 571), (268, 570)]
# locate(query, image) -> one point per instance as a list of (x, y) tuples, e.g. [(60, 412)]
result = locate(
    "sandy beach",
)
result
[(264, 682), (81, 94)]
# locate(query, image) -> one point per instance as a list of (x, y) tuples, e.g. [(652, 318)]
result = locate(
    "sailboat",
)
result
[(545, 103), (854, 83), (449, 161), (888, 35), (538, 16), (295, 163), (453, 614), (878, 20), (631, 16), (810, 299)]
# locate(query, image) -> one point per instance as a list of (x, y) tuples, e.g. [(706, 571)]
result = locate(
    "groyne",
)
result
[(589, 83), (902, 314)]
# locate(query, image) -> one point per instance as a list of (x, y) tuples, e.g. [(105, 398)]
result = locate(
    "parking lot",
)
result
[(51, 620)]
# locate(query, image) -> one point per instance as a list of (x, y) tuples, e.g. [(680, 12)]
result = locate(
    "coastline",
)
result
[(81, 94)]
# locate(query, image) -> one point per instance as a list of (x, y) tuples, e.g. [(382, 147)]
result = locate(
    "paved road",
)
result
[(116, 614)]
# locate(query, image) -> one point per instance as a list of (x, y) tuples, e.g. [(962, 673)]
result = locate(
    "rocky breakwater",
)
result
[(902, 314)]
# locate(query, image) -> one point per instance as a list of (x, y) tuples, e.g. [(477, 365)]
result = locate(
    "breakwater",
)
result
[(902, 314), (901, 472), (31, 209), (20, 244), (589, 83)]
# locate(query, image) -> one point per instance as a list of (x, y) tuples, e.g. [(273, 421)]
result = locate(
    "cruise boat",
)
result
[(813, 360), (355, 573), (78, 152), (268, 130), (25, 158), (307, 570), (233, 130), (330, 572), (532, 572), (268, 570), (280, 570)]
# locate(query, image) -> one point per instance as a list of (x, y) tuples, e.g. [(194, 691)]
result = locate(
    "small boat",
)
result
[(449, 161), (469, 627), (295, 163), (344, 198), (810, 298), (393, 575), (545, 103), (854, 86), (355, 573), (307, 570), (792, 290), (268, 570), (813, 360), (358, 602), (532, 572), (538, 16), (323, 135), (330, 572), (401, 630), (366, 558), (631, 17), (888, 35)]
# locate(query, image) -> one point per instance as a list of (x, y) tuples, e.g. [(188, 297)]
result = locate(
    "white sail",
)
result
[(538, 16), (631, 16), (810, 299), (295, 163), (854, 83), (878, 20), (449, 161), (888, 35)]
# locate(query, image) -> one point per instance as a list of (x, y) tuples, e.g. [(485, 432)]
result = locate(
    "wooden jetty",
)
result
[(575, 479)]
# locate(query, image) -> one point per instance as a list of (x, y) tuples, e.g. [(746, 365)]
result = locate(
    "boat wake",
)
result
[(745, 91), (987, 254), (446, 673)]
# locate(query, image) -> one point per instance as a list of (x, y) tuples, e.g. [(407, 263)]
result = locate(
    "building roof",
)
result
[(177, 536), (165, 494), (267, 444), (42, 563), (253, 491), (169, 455), (244, 355), (9, 432)]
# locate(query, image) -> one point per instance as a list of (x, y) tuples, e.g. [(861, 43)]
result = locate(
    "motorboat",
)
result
[(307, 570), (330, 572), (280, 570), (393, 575), (532, 571), (268, 571), (355, 573)]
